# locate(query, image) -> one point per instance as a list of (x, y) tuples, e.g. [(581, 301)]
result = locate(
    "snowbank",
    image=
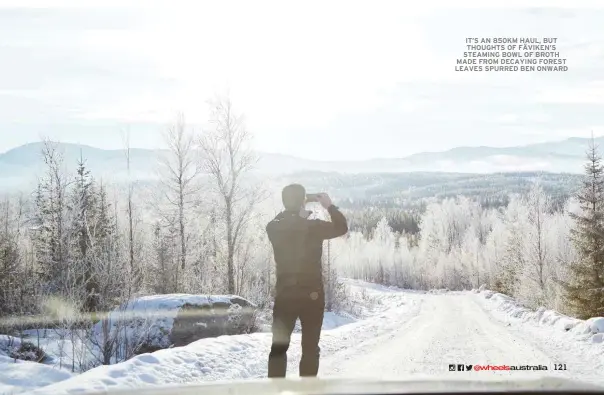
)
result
[(211, 359), (145, 324), (18, 376), (593, 328), (576, 344)]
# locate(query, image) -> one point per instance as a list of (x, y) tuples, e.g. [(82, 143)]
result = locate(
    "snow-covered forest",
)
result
[(79, 246)]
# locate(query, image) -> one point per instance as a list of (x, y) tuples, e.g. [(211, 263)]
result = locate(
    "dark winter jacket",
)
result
[(298, 246)]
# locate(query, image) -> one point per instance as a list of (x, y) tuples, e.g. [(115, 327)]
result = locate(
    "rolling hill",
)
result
[(21, 165)]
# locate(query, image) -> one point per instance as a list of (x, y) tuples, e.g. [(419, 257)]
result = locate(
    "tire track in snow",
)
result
[(449, 329)]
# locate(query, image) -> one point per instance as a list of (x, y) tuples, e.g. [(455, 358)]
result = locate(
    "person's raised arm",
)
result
[(329, 230)]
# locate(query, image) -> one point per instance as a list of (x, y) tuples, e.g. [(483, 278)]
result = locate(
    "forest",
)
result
[(91, 245)]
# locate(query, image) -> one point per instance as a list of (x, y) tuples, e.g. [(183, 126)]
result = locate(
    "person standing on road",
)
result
[(298, 247)]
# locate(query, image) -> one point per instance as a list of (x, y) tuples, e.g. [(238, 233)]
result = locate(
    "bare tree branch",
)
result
[(227, 158)]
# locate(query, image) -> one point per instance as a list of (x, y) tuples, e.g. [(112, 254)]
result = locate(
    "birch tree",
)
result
[(537, 267), (227, 158), (134, 271), (179, 171)]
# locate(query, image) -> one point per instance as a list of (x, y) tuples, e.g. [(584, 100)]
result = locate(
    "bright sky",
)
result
[(317, 79)]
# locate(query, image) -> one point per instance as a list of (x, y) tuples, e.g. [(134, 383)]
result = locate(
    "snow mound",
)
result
[(596, 324), (225, 357), (19, 376), (543, 316), (591, 326), (597, 338)]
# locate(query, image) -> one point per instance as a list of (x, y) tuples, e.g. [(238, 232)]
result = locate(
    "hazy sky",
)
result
[(317, 79)]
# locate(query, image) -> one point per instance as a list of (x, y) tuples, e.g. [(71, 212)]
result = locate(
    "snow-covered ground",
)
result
[(18, 376), (400, 334), (565, 340), (210, 352), (145, 321)]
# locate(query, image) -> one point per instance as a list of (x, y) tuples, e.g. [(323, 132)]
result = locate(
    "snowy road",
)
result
[(449, 329), (403, 335)]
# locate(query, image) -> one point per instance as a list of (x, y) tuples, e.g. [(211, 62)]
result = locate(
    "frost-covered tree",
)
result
[(383, 244), (514, 259), (12, 273), (105, 255), (227, 159), (535, 272), (562, 254), (585, 287), (495, 250), (84, 209), (135, 271), (165, 260), (52, 222), (179, 172)]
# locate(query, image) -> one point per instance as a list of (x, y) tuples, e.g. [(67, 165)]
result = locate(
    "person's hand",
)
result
[(325, 200)]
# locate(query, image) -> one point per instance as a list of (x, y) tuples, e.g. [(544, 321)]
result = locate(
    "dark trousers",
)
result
[(308, 305)]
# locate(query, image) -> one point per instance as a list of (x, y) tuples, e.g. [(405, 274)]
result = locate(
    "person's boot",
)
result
[(277, 361), (309, 364)]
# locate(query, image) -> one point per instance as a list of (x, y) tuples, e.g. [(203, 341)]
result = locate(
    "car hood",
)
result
[(356, 386)]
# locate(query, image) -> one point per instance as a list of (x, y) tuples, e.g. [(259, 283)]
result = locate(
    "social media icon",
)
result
[(461, 368), (451, 368)]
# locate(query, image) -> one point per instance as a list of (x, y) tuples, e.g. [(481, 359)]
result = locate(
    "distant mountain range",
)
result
[(22, 164)]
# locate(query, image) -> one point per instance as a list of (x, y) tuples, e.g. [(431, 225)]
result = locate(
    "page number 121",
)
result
[(560, 366)]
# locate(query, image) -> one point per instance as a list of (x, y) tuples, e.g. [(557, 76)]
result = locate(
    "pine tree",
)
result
[(83, 206), (84, 214), (10, 270), (105, 227), (585, 290), (166, 259), (106, 254), (51, 241)]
